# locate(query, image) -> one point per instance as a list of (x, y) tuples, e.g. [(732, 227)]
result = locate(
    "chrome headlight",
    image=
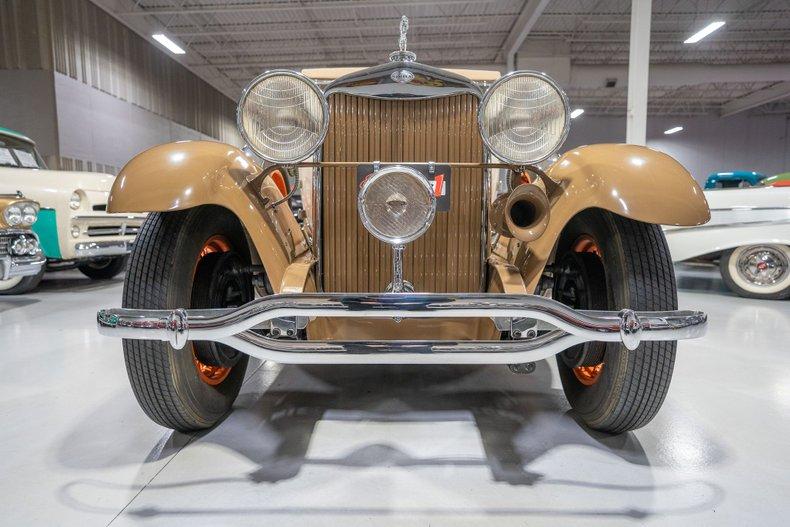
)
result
[(524, 117), (13, 214), (283, 116), (29, 213), (396, 204), (75, 200)]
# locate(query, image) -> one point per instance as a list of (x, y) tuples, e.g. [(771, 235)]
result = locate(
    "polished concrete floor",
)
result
[(390, 445)]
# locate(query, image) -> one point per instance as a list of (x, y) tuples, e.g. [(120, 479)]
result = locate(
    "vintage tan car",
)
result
[(21, 257), (429, 235)]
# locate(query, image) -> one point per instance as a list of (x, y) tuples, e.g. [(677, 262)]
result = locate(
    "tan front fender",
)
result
[(629, 180), (186, 174)]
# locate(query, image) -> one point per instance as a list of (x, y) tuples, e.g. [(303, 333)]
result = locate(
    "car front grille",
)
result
[(5, 241), (114, 230), (448, 257)]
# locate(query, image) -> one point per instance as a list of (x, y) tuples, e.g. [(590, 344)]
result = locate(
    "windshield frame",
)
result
[(13, 143)]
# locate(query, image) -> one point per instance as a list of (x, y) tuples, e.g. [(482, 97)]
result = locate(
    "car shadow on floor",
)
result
[(519, 419), (74, 282), (7, 303)]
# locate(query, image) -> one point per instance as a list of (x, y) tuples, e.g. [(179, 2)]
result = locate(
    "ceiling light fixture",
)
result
[(704, 32), (576, 113), (169, 44), (673, 130)]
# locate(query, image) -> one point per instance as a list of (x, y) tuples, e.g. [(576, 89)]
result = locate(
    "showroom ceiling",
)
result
[(229, 42)]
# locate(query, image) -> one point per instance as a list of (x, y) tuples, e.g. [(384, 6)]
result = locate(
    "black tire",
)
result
[(103, 268), (740, 285), (636, 270), (164, 273), (25, 285)]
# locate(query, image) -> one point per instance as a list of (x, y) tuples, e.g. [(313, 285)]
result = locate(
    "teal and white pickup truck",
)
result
[(73, 226)]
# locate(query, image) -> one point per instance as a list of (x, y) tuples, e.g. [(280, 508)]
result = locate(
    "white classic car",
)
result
[(73, 227), (748, 236)]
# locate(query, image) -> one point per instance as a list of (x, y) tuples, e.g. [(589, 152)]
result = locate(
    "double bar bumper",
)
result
[(565, 327)]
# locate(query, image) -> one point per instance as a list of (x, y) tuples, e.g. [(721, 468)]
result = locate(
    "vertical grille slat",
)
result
[(448, 257)]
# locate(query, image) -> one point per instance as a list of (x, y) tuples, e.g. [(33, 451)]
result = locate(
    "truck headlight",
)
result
[(13, 215), (396, 204), (283, 116), (29, 214), (75, 201), (524, 117)]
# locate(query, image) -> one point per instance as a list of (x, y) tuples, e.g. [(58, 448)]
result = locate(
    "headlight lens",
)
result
[(524, 117), (13, 215), (29, 214), (283, 116), (75, 201), (75, 231), (396, 204)]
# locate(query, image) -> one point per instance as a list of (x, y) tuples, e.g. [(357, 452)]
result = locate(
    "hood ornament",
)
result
[(402, 55)]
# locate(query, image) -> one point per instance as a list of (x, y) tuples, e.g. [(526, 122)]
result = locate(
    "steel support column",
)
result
[(638, 68)]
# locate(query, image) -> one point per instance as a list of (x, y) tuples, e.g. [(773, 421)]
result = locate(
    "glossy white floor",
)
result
[(389, 445)]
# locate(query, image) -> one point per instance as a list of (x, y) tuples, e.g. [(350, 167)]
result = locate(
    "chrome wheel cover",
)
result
[(763, 265)]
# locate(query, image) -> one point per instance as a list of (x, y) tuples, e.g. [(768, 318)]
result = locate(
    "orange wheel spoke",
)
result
[(588, 375), (211, 375)]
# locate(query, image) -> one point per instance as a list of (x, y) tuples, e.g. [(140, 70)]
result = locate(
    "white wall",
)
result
[(99, 127), (706, 144)]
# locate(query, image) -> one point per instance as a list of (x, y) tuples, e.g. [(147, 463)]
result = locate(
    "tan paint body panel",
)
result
[(186, 174), (632, 181), (629, 180)]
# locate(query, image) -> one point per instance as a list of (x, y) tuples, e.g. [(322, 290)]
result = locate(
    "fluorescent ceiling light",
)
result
[(673, 130), (704, 32), (576, 113), (169, 44)]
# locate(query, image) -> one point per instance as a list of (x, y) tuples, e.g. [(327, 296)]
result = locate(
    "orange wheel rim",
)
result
[(587, 375), (587, 244), (211, 375)]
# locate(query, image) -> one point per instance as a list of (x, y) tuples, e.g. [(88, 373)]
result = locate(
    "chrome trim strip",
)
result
[(232, 327), (426, 82), (94, 249), (748, 207), (709, 226)]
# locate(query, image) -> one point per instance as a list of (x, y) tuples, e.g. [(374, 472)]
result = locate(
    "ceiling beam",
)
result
[(780, 90), (271, 7), (524, 23)]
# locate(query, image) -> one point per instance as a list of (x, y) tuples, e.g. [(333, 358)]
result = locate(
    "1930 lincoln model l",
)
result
[(428, 235)]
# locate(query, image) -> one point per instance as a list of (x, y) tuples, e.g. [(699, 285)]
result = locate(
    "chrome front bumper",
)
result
[(564, 327), (13, 266), (99, 249)]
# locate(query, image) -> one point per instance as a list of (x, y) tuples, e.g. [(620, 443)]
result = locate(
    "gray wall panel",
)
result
[(95, 126), (706, 144), (27, 104)]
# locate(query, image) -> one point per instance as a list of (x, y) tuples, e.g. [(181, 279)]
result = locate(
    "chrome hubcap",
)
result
[(762, 266)]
